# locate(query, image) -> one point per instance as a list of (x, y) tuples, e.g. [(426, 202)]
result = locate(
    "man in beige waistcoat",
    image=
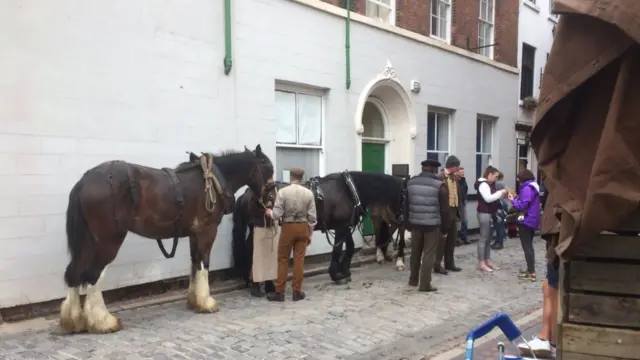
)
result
[(296, 207)]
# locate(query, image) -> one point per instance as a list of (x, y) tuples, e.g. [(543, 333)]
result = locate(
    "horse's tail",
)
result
[(242, 259), (79, 241)]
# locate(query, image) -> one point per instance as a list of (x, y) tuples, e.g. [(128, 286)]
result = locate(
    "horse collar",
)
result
[(215, 182)]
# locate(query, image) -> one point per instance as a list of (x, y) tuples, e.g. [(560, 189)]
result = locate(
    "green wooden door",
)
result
[(372, 160)]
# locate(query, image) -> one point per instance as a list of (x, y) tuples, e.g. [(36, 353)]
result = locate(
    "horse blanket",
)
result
[(588, 118)]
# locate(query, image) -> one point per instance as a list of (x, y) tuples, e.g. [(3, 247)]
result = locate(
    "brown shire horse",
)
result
[(116, 197)]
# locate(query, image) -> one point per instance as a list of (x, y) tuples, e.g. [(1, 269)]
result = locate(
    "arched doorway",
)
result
[(395, 127), (385, 124)]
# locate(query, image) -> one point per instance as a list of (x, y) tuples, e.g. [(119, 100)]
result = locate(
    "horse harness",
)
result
[(357, 212), (214, 186)]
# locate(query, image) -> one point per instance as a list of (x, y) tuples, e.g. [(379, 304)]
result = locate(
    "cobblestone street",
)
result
[(377, 316)]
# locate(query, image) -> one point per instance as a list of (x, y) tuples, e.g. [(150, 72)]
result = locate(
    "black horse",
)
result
[(249, 213), (342, 200)]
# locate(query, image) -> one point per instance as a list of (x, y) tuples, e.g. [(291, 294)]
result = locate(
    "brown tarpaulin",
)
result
[(587, 133)]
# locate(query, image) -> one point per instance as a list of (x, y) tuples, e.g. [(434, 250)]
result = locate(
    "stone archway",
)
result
[(399, 118)]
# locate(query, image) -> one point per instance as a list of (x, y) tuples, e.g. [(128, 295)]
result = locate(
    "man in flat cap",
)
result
[(428, 212), (447, 245), (296, 207)]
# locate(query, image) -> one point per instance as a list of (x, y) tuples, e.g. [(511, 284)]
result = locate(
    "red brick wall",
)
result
[(464, 23), (415, 16), (506, 32)]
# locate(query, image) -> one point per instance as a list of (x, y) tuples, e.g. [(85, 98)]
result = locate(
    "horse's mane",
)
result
[(374, 188), (227, 161)]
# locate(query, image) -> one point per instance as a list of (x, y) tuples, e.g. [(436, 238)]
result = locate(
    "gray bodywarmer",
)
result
[(424, 202)]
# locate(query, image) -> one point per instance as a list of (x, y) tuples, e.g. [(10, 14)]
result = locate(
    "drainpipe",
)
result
[(347, 44), (227, 37)]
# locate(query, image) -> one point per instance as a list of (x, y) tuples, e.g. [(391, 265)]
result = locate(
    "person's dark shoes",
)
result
[(497, 246), (440, 271), (413, 282), (269, 286), (429, 289), (275, 296), (256, 291), (454, 269), (298, 295), (466, 241)]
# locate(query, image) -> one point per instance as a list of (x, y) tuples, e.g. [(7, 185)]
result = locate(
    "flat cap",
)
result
[(296, 172), (430, 163), (452, 161)]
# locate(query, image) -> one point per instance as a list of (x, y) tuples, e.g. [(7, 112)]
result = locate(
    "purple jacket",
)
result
[(529, 200)]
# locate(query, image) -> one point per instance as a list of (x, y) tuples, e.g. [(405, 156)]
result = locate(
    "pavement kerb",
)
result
[(43, 322)]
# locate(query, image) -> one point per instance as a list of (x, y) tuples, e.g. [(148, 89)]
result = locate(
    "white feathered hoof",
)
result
[(72, 318), (399, 264), (379, 256), (389, 253)]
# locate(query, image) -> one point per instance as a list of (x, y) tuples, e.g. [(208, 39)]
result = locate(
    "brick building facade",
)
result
[(462, 18)]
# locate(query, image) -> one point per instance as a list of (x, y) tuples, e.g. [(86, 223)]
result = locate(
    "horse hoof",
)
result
[(342, 281), (400, 268), (110, 325)]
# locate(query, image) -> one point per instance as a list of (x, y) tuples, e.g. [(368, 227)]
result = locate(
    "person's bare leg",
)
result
[(553, 300), (547, 320)]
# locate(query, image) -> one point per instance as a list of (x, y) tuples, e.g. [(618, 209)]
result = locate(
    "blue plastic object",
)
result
[(500, 320)]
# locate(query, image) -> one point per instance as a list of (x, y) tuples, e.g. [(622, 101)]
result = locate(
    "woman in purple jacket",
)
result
[(528, 202)]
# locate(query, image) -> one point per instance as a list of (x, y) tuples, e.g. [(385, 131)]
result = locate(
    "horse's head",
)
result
[(269, 194), (261, 172)]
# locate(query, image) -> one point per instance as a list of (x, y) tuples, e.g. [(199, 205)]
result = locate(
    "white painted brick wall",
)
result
[(85, 83)]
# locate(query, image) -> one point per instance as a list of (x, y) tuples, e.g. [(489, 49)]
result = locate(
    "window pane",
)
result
[(483, 9), (434, 25), (482, 162), (372, 121), (434, 7), (487, 136), (488, 34), (441, 157), (443, 28), (306, 159), (285, 117), (478, 135), (309, 119), (431, 131), (371, 9), (442, 10), (385, 14), (522, 151), (443, 132)]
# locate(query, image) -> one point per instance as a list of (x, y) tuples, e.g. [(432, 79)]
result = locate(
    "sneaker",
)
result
[(553, 352), (536, 348), (527, 276)]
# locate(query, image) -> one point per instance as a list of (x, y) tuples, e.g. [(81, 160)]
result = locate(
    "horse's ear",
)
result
[(259, 151), (246, 149), (193, 157)]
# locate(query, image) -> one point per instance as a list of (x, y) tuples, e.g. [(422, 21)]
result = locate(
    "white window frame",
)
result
[(488, 50), (391, 7), (439, 112), (432, 17), (299, 89), (483, 120)]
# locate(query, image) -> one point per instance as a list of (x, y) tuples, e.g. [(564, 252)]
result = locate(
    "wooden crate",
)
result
[(599, 304)]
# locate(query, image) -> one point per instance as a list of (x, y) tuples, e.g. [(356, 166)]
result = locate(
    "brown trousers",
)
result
[(448, 244), (293, 236), (424, 244)]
